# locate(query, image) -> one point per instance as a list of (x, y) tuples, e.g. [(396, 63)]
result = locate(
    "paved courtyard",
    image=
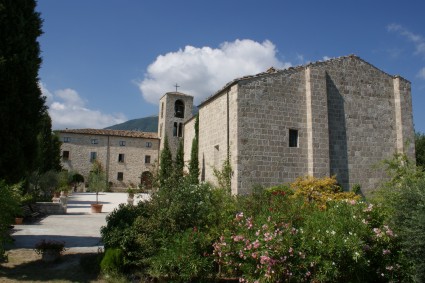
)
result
[(79, 228)]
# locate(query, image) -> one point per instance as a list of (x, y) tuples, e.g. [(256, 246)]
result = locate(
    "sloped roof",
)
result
[(105, 132), (272, 71)]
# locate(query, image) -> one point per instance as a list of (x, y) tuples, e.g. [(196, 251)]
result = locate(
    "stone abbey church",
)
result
[(338, 117)]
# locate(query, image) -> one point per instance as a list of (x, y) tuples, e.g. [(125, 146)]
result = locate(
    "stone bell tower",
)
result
[(175, 108)]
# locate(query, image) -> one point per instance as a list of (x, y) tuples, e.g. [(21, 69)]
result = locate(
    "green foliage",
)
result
[(9, 208), (194, 161), (289, 241), (97, 179), (165, 165), (420, 149), (183, 259), (224, 176), (48, 147), (112, 261), (179, 163), (402, 201), (21, 102)]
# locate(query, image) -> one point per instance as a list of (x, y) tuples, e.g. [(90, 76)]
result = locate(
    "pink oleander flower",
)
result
[(238, 238), (369, 208), (254, 255), (256, 244), (291, 250), (239, 216), (264, 259), (386, 252)]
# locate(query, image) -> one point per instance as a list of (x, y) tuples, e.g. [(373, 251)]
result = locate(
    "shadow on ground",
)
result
[(26, 266), (29, 241)]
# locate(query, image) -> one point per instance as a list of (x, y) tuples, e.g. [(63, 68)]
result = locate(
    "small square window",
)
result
[(120, 176), (122, 143), (93, 156), (65, 155), (147, 159), (94, 141), (148, 144), (66, 139), (293, 138), (121, 157)]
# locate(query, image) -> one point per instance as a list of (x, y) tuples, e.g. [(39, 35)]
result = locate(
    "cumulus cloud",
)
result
[(203, 71), (421, 74), (68, 110), (417, 39)]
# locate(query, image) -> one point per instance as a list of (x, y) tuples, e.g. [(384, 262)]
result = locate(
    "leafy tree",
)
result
[(420, 149), (48, 146), (9, 207), (179, 163), (97, 179), (165, 165), (21, 102), (402, 201), (194, 161)]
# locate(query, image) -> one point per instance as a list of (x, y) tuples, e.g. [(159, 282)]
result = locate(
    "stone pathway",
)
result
[(79, 228)]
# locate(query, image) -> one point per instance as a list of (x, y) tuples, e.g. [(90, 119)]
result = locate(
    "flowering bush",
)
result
[(339, 240)]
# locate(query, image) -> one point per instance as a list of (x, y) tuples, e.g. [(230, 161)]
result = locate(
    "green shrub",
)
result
[(10, 201), (112, 261), (293, 239)]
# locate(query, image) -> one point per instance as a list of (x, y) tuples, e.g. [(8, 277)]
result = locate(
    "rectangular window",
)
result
[(148, 144), (65, 155), (93, 156), (175, 129), (122, 143), (293, 138), (121, 157), (180, 129), (66, 139), (147, 159), (94, 141), (160, 130), (162, 109), (120, 176)]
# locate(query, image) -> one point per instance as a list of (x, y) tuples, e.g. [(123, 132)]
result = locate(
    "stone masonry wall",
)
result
[(269, 107), (189, 135), (167, 118), (362, 121), (134, 151), (218, 134)]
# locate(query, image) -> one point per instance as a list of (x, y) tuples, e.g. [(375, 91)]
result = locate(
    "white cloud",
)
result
[(326, 58), (68, 110), (421, 74), (203, 71), (417, 39)]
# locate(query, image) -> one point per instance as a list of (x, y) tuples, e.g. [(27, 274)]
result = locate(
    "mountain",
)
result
[(147, 124)]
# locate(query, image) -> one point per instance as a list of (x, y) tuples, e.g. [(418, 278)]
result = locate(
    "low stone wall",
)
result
[(50, 207)]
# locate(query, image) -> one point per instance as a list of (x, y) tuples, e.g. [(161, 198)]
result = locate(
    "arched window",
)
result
[(179, 109)]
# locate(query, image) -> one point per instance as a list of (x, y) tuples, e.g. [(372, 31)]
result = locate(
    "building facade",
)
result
[(339, 117), (126, 156)]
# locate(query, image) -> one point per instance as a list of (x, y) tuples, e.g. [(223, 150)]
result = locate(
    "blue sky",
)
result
[(108, 61)]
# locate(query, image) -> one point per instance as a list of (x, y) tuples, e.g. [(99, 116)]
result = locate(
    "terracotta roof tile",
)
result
[(118, 133)]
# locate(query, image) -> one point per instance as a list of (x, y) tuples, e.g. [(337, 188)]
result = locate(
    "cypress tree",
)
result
[(179, 163), (48, 147), (21, 101), (194, 161), (165, 165)]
